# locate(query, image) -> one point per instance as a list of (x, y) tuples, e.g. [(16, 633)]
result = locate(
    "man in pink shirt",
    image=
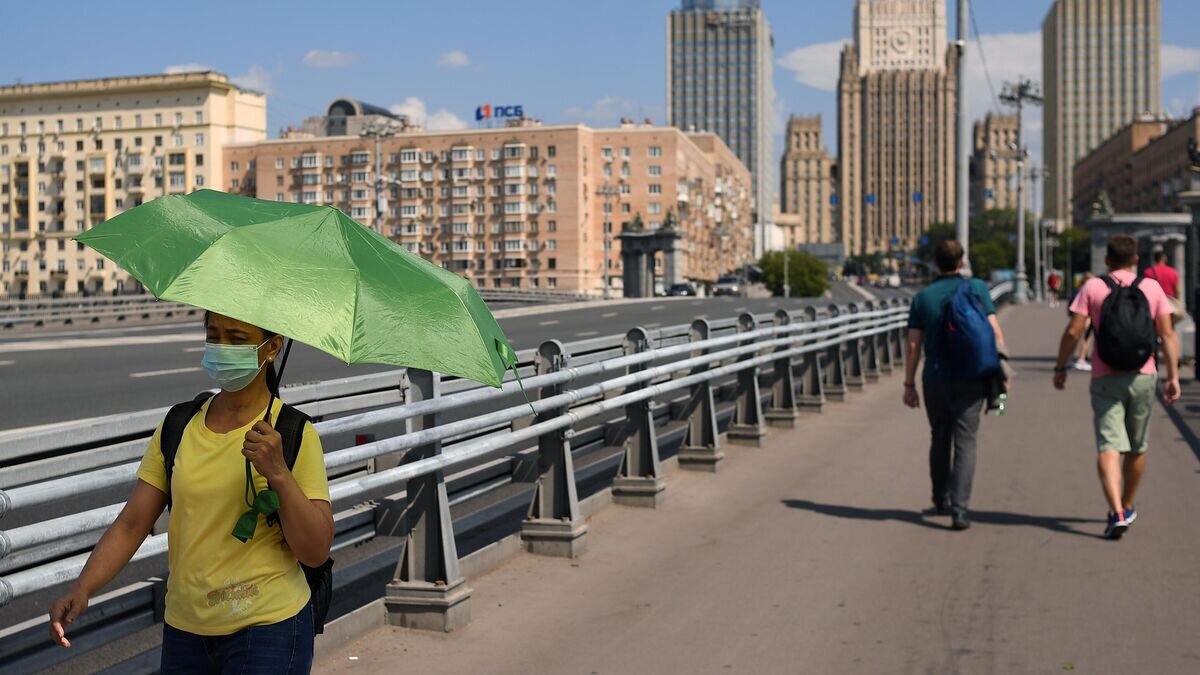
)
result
[(1164, 274), (1122, 400)]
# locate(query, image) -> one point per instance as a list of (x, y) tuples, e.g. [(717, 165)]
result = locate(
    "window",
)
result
[(312, 179), (552, 206), (625, 208), (233, 166), (278, 162), (552, 226), (625, 152), (606, 152), (551, 151), (514, 172), (655, 170), (358, 176), (178, 118), (177, 159), (135, 161), (158, 119), (655, 208), (461, 154), (199, 180), (551, 170), (310, 160), (360, 157), (178, 179), (656, 151), (358, 194), (480, 155), (514, 151), (137, 121), (495, 153), (656, 188), (408, 156)]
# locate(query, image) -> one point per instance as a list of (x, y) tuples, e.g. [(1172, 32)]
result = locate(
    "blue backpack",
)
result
[(969, 344)]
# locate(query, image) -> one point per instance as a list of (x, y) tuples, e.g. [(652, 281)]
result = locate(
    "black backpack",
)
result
[(290, 425), (1125, 336)]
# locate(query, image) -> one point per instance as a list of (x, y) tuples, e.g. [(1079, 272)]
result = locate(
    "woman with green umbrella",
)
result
[(231, 605)]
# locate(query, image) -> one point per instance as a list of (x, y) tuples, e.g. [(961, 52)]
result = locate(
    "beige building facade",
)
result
[(73, 154), (896, 97), (1100, 69), (808, 187), (520, 206), (994, 163), (1141, 169)]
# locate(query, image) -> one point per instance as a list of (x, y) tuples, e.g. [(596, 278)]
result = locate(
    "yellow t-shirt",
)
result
[(217, 584)]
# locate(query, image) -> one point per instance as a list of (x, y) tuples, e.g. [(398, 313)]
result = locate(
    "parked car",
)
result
[(677, 290), (728, 285)]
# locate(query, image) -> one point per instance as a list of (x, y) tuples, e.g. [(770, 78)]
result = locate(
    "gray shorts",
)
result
[(1121, 408)]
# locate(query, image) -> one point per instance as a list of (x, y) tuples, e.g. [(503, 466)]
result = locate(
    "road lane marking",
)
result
[(586, 333), (85, 343), (653, 325), (697, 302), (193, 350), (739, 309), (655, 308), (172, 371), (608, 315), (548, 323), (7, 363)]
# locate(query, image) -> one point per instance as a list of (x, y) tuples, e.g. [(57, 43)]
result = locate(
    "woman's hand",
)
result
[(264, 448), (64, 612)]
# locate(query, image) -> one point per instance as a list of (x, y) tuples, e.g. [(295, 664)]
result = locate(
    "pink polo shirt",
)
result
[(1091, 298)]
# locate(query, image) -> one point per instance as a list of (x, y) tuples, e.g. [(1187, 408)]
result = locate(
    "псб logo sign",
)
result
[(487, 111)]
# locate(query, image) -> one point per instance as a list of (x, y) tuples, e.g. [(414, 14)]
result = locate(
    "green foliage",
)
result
[(807, 275), (863, 264)]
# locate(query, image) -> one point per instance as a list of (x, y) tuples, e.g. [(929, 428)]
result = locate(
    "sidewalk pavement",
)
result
[(810, 555)]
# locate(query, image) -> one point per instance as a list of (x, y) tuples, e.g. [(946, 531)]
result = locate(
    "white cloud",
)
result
[(816, 65), (454, 59), (1178, 60), (187, 68), (607, 111), (418, 112), (319, 58), (257, 78)]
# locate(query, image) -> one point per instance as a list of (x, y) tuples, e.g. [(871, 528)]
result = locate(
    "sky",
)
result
[(564, 61)]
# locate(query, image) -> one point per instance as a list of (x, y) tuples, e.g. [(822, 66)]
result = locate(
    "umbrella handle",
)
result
[(287, 349)]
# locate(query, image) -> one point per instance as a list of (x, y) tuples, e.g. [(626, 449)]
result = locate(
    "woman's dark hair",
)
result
[(272, 374)]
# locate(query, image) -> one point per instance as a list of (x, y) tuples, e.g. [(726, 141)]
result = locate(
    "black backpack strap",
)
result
[(173, 426), (290, 426), (1109, 281)]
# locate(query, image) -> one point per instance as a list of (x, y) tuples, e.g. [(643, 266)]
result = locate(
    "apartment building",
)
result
[(519, 206), (73, 154)]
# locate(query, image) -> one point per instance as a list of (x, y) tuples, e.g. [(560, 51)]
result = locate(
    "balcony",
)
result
[(59, 273)]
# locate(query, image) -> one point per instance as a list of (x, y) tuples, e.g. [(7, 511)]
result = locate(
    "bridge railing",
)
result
[(604, 404), (68, 311)]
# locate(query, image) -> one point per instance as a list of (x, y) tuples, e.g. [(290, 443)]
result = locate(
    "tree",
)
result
[(807, 275)]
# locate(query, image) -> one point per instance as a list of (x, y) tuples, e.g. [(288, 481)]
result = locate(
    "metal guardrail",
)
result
[(829, 348), (38, 311)]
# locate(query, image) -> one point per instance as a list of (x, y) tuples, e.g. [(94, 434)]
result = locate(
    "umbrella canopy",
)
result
[(310, 273)]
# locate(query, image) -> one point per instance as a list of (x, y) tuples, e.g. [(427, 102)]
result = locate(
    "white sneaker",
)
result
[(1082, 365)]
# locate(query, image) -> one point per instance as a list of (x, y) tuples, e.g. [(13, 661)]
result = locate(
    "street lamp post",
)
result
[(1017, 95), (378, 132)]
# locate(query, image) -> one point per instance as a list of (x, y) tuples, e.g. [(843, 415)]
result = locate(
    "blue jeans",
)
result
[(275, 649)]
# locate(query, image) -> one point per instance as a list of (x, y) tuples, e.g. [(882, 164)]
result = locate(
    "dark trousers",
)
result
[(953, 409), (283, 648)]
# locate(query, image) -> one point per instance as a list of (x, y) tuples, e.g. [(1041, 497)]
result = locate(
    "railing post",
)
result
[(855, 380), (898, 341), (835, 363), (782, 412), (747, 426), (640, 481), (701, 449), (812, 384), (428, 592), (871, 351), (554, 525), (884, 340)]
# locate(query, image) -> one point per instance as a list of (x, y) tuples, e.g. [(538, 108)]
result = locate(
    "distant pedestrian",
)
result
[(1128, 312), (1053, 284), (953, 321), (1164, 274), (1082, 356)]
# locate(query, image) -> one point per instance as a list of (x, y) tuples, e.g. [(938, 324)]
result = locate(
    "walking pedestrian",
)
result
[(953, 321), (1168, 278), (1130, 314), (1053, 282), (237, 597), (1082, 355)]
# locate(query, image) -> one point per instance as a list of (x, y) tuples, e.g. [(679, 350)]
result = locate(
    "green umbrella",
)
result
[(310, 273)]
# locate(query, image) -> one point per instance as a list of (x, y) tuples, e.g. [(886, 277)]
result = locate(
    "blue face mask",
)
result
[(232, 366)]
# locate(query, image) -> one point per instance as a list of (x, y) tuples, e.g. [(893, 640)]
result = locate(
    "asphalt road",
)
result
[(811, 555), (55, 375)]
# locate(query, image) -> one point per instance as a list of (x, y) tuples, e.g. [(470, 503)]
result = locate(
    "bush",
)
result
[(807, 275)]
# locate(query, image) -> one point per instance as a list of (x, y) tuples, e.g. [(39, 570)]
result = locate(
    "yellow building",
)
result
[(73, 154)]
